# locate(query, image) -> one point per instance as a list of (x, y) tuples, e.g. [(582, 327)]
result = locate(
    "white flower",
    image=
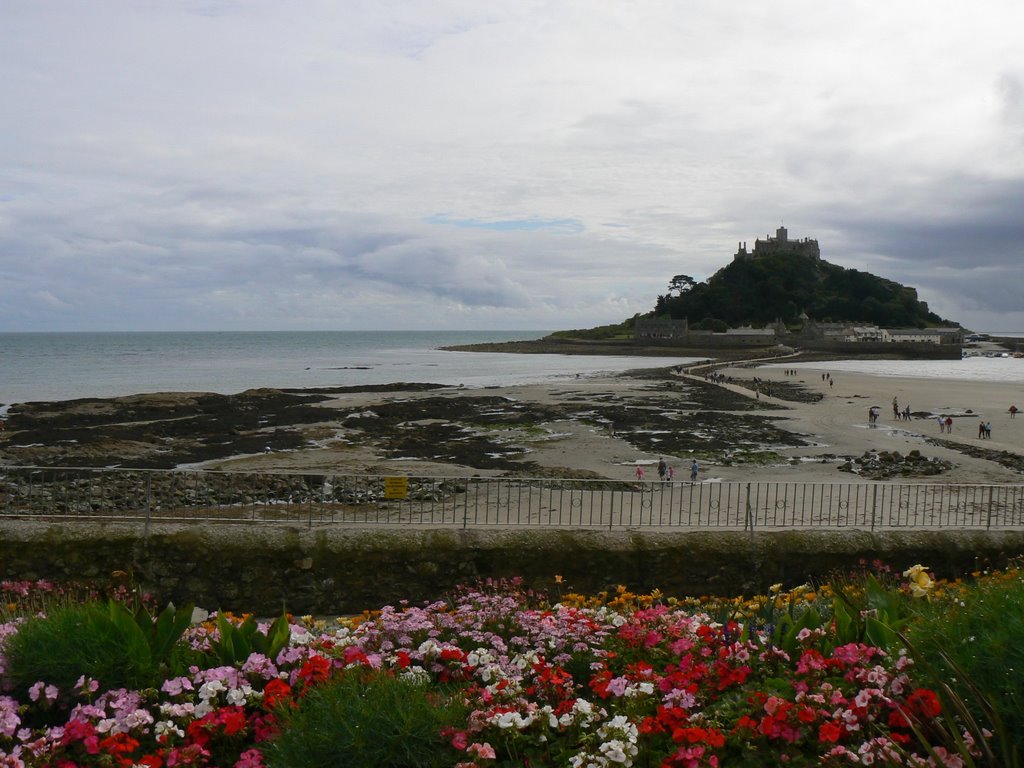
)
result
[(168, 726), (414, 675), (235, 697), (210, 689), (614, 751)]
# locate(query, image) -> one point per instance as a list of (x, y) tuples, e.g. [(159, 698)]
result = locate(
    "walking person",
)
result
[(662, 469), (639, 472), (694, 469), (949, 425)]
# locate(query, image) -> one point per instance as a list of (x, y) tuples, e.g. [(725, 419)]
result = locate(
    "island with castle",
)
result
[(814, 305)]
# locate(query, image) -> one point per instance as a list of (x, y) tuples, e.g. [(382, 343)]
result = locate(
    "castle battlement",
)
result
[(778, 244)]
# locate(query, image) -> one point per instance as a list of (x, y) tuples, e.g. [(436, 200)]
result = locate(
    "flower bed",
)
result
[(506, 677)]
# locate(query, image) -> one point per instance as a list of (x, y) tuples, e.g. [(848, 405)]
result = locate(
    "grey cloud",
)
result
[(229, 164)]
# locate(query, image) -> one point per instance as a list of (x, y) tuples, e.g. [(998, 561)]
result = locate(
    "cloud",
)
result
[(508, 165)]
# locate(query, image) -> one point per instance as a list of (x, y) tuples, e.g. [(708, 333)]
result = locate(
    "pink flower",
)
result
[(617, 686), (484, 751), (251, 758)]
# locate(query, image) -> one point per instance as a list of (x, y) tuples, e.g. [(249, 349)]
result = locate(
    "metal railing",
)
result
[(315, 499)]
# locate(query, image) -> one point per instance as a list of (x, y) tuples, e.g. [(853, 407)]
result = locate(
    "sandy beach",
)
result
[(594, 426)]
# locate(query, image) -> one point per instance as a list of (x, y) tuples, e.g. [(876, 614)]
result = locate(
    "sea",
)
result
[(66, 366)]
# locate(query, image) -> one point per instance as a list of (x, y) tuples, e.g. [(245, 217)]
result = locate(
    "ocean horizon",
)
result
[(47, 366)]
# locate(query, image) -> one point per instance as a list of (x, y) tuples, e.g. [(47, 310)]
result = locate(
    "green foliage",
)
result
[(102, 641), (622, 330), (874, 614), (781, 285), (236, 642), (975, 644), (367, 720), (711, 324)]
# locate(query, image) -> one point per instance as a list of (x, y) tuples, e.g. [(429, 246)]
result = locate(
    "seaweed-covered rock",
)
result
[(883, 465)]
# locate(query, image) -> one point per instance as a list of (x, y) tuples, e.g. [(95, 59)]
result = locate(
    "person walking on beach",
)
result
[(662, 469), (949, 425), (942, 424), (988, 430), (639, 472), (694, 469), (895, 408), (981, 429), (671, 474), (1013, 411)]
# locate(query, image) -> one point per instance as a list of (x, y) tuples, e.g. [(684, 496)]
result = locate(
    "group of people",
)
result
[(900, 415), (667, 473), (897, 413), (946, 424), (984, 430)]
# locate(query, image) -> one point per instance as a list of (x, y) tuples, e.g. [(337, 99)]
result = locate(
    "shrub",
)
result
[(974, 642), (370, 719), (103, 642)]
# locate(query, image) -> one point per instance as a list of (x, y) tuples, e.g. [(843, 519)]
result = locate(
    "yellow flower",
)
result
[(920, 582)]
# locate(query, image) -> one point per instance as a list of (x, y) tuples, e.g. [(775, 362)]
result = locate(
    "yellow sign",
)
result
[(396, 487)]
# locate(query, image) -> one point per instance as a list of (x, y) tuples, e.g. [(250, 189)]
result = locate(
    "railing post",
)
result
[(988, 521), (149, 504), (749, 523), (874, 506), (465, 506)]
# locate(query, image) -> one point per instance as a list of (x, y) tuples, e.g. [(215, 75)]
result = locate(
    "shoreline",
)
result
[(603, 426)]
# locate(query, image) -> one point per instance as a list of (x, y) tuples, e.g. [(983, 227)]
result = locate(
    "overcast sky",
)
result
[(450, 164)]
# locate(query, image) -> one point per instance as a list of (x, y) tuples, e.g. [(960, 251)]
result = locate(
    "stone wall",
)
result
[(335, 570)]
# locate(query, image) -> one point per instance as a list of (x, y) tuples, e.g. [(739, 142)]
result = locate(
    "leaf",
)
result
[(846, 631), (134, 642), (167, 630), (879, 634), (278, 636)]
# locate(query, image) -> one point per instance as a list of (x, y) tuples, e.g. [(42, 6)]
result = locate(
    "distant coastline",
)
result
[(561, 346)]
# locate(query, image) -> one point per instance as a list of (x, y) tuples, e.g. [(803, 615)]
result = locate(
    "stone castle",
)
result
[(847, 336), (778, 244)]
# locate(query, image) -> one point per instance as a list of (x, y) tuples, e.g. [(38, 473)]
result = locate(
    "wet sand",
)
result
[(601, 426)]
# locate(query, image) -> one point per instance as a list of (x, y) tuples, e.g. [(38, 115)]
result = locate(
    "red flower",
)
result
[(274, 692), (317, 668), (805, 715), (232, 718), (829, 733), (924, 703), (77, 730), (119, 744)]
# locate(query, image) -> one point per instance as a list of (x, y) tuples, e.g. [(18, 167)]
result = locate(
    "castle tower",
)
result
[(781, 235)]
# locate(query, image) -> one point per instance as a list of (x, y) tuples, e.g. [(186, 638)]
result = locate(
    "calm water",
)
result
[(61, 366)]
